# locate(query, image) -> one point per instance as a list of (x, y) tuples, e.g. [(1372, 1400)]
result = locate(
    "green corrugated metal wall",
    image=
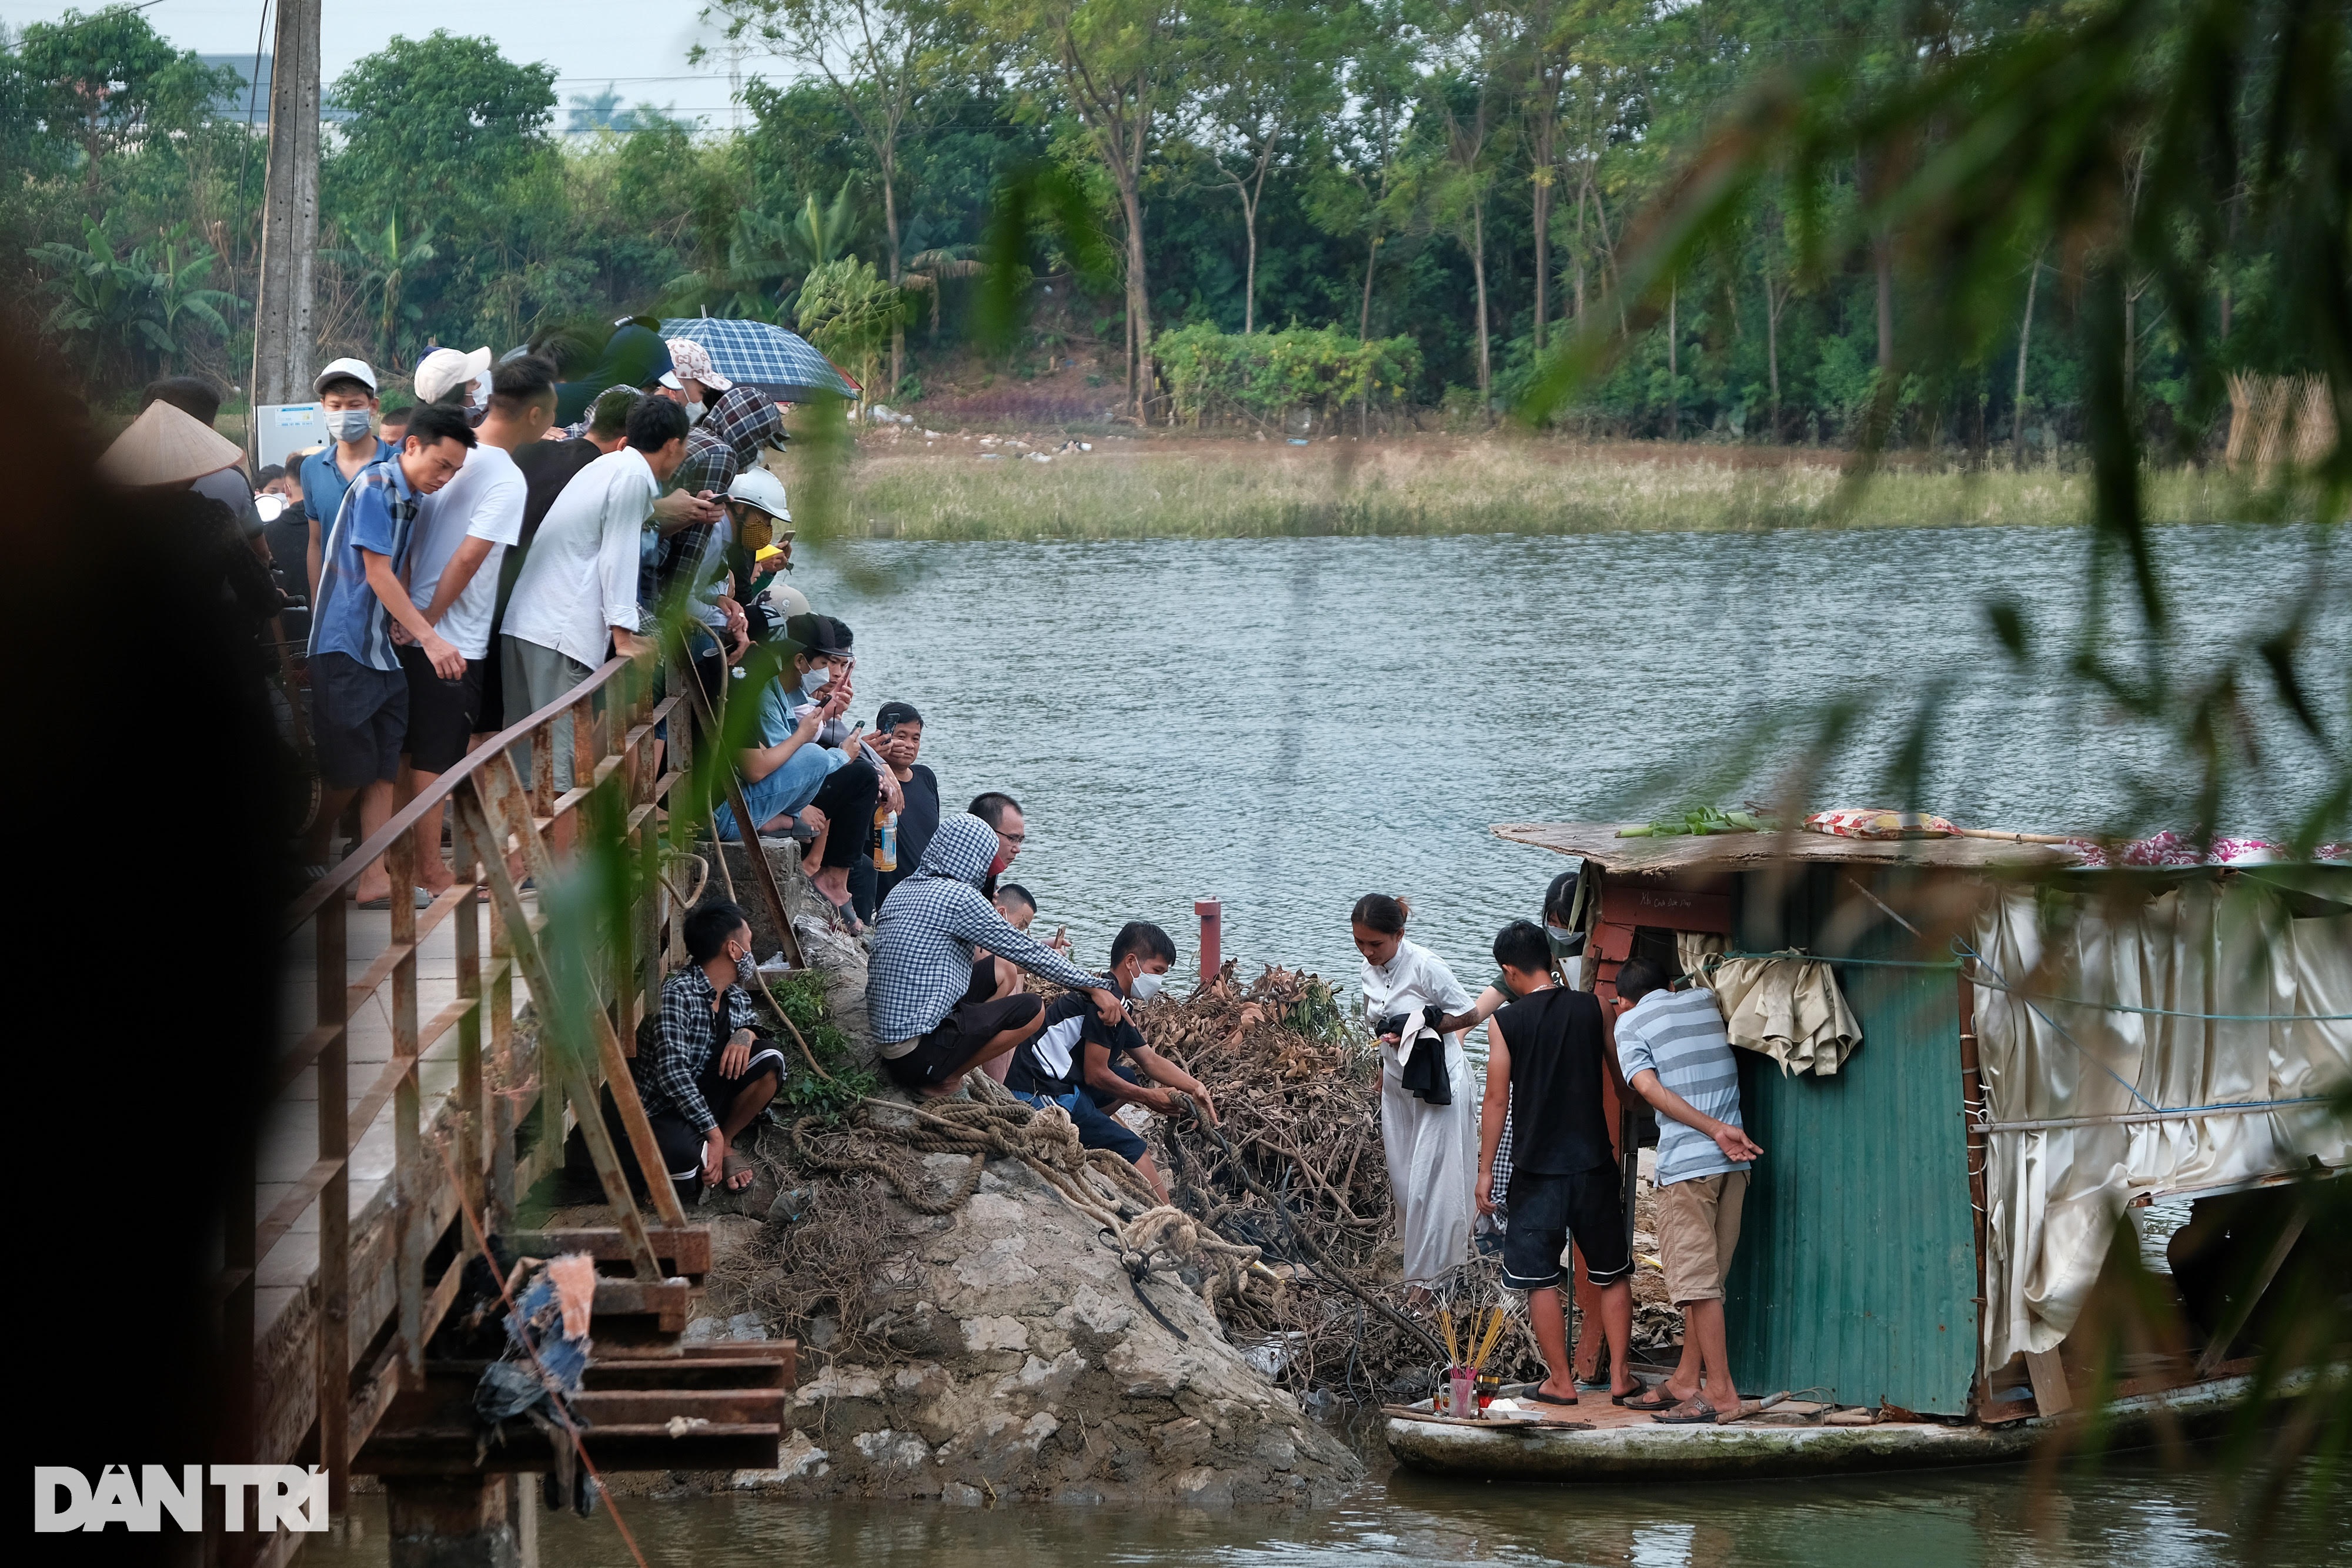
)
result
[(1857, 1255)]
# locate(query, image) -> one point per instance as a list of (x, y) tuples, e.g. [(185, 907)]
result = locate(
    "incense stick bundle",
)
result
[(1453, 1348), (1494, 1333)]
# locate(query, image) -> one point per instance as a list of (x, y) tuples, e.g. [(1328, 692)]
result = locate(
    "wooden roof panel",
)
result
[(1599, 842)]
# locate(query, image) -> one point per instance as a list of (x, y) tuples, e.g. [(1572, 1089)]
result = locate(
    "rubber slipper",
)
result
[(1690, 1413), (1541, 1398), (1649, 1401), (731, 1167)]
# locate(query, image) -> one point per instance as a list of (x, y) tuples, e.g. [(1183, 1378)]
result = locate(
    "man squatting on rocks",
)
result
[(931, 995), (1678, 1055), (706, 1074), (1544, 1059), (1072, 1061)]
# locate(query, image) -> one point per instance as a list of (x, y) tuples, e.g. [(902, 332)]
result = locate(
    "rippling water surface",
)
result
[(2134, 1514), (1287, 724)]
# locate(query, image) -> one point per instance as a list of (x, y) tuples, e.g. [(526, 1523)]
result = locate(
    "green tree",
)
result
[(1117, 67), (882, 58), (440, 126), (850, 311), (113, 79), (1270, 67)]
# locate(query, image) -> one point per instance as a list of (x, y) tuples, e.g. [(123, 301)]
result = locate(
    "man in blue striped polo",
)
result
[(1675, 1053)]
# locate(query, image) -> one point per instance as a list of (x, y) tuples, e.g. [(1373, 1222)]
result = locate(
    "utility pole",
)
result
[(282, 346)]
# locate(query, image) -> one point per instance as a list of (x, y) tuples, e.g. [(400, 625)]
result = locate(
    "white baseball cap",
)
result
[(357, 369), (444, 371), (755, 486)]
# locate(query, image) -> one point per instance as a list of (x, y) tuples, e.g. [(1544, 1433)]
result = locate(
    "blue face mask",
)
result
[(349, 424)]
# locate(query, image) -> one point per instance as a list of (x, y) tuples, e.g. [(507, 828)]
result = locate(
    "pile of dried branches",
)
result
[(1298, 1090)]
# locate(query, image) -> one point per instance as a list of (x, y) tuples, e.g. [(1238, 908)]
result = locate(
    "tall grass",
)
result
[(1180, 489)]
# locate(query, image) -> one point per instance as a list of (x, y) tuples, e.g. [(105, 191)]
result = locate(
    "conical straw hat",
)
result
[(166, 445)]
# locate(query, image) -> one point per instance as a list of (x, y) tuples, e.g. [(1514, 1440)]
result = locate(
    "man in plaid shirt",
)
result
[(693, 560), (707, 1073), (934, 1013)]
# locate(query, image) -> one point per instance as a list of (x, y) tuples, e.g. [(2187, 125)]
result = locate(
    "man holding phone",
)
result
[(806, 763)]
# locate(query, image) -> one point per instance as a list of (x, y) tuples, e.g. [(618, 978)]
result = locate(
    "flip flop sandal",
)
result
[(1690, 1413), (731, 1167), (1649, 1401), (1541, 1398)]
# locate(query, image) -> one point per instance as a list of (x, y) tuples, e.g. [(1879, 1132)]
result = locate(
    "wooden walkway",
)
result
[(289, 1136)]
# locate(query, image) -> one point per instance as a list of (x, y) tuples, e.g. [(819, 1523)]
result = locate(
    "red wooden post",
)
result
[(1213, 921)]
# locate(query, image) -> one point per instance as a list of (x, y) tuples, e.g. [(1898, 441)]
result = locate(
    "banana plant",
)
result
[(136, 304), (385, 263)]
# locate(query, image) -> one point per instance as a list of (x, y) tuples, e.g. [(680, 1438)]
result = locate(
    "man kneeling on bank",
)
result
[(1073, 1060), (936, 1014), (709, 1073), (1544, 1061)]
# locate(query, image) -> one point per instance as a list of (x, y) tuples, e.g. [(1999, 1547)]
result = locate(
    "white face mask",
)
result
[(693, 413), (1560, 933), (818, 679), (348, 424), (1146, 985)]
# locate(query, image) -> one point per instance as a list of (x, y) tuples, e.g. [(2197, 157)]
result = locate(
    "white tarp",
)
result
[(2233, 957)]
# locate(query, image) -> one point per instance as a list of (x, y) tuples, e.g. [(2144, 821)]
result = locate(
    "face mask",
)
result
[(348, 424), (1558, 932), (693, 413), (818, 679), (1146, 985), (744, 966)]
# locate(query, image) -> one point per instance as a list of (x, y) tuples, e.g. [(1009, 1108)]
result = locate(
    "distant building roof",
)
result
[(250, 104)]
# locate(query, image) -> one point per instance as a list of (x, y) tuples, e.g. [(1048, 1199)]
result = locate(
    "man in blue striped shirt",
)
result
[(1676, 1054), (359, 695)]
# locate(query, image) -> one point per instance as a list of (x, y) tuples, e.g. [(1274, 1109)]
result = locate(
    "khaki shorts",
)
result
[(1698, 1228)]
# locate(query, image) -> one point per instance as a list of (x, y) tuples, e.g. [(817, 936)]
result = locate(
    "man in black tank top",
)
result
[(1545, 1056)]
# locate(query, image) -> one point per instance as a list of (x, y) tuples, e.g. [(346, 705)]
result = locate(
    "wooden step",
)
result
[(719, 1413), (685, 1251)]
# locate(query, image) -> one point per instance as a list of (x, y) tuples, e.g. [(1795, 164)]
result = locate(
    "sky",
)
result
[(639, 48)]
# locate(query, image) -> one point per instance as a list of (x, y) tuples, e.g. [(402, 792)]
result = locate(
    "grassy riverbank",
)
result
[(1135, 488)]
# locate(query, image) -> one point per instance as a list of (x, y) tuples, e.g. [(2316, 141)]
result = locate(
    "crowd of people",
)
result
[(469, 562)]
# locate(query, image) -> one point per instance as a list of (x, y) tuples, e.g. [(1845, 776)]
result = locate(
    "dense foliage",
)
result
[(1458, 173)]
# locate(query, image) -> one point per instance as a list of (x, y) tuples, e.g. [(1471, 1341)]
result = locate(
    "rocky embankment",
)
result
[(1013, 1355)]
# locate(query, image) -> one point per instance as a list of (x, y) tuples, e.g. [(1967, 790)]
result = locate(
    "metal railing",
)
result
[(371, 1307)]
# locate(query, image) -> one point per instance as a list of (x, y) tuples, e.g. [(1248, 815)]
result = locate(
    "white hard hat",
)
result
[(784, 602), (755, 486)]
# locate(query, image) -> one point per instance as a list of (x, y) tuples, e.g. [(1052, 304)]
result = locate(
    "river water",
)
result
[(1287, 724), (2132, 1512)]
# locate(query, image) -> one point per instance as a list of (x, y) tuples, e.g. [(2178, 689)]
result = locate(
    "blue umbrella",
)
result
[(779, 362)]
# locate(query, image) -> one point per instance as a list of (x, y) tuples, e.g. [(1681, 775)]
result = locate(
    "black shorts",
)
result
[(1546, 1211), (442, 714), (950, 1047), (359, 715)]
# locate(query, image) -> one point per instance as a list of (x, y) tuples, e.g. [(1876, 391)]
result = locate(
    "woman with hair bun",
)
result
[(1429, 1117)]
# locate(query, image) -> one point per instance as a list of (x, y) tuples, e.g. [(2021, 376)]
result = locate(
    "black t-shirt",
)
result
[(917, 823), (1053, 1062), (547, 467), (1555, 1041)]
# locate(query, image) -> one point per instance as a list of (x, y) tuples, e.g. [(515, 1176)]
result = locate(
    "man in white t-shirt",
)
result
[(462, 531)]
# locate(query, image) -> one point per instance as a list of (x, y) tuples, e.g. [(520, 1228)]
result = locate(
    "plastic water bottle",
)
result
[(885, 830)]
